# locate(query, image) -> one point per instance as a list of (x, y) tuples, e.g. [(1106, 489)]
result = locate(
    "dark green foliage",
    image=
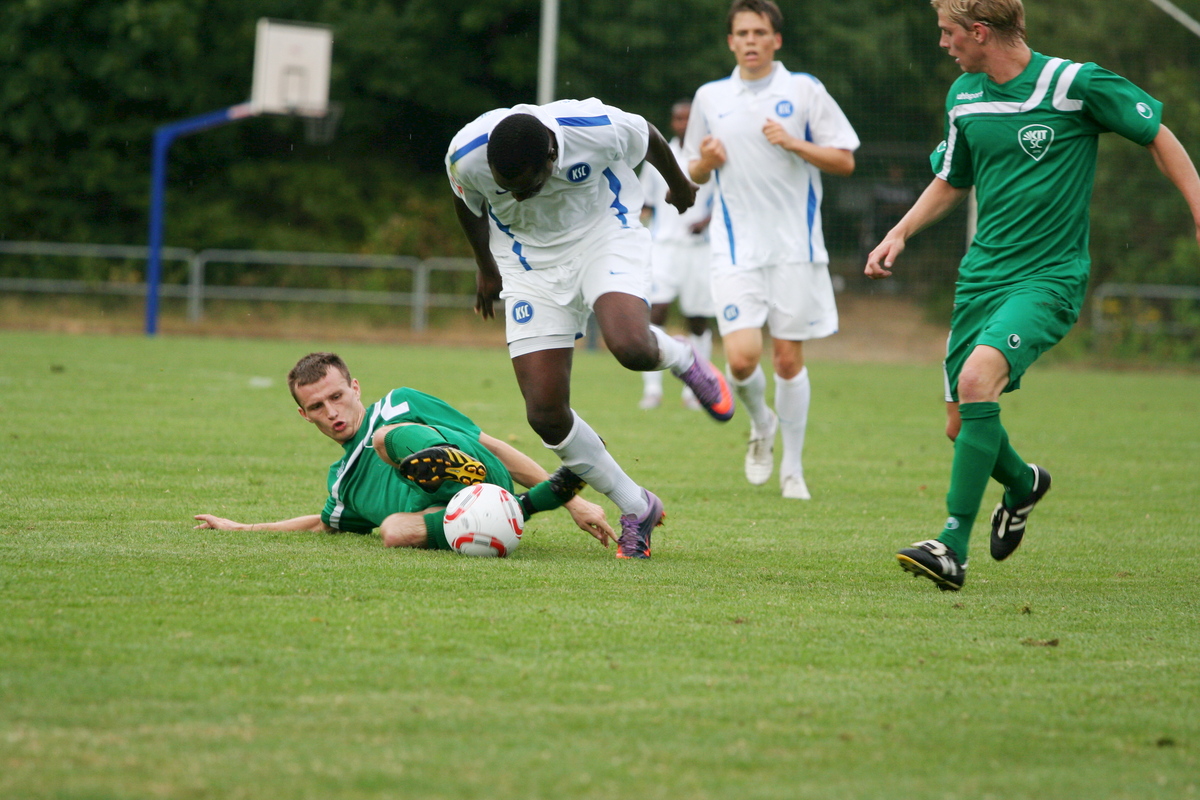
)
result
[(84, 83)]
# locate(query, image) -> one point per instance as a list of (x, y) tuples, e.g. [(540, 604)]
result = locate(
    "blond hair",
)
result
[(1004, 17)]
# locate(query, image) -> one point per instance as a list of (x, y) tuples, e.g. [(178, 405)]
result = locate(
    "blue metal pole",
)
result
[(164, 135)]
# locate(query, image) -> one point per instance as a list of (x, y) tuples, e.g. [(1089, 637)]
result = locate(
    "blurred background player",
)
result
[(679, 260), (764, 136), (1022, 129), (549, 201), (404, 458)]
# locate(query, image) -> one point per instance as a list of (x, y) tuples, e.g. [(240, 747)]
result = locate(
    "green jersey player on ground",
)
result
[(1022, 129), (404, 458)]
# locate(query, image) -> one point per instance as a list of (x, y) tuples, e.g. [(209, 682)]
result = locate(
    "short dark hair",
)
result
[(519, 143), (312, 368), (765, 7)]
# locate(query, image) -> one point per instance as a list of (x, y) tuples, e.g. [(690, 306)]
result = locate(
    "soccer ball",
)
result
[(484, 520)]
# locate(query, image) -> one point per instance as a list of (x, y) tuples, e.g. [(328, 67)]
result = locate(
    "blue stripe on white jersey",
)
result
[(813, 203), (583, 122), (615, 184), (517, 249), (728, 221), (478, 141)]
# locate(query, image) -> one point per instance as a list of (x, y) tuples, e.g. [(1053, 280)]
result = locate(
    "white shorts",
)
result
[(681, 270), (548, 308), (794, 300)]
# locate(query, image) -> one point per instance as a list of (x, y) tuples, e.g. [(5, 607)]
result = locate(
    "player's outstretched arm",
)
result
[(681, 192), (1176, 164), (938, 200), (487, 282), (310, 522), (523, 469)]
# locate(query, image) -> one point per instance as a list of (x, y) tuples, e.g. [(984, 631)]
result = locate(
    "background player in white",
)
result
[(764, 135), (549, 200), (679, 260)]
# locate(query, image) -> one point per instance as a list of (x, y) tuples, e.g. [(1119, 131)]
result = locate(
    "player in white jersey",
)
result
[(549, 200), (764, 136), (679, 260)]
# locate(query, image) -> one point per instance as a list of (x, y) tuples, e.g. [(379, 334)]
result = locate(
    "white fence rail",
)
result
[(196, 291)]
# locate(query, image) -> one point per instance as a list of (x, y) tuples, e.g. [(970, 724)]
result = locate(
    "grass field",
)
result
[(771, 649)]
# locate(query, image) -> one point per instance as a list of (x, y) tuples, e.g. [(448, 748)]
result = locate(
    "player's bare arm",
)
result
[(310, 522), (1174, 162), (681, 192), (487, 281), (938, 200), (527, 472), (712, 156), (833, 160)]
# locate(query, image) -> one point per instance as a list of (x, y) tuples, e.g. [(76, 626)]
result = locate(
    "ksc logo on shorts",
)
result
[(522, 312), (579, 172), (784, 108), (730, 312)]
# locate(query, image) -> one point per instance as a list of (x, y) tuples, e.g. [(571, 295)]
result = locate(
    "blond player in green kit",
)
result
[(403, 458), (1022, 129)]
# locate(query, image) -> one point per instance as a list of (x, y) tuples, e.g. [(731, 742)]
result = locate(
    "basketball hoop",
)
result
[(321, 130)]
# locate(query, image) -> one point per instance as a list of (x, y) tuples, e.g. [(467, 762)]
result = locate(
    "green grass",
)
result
[(771, 649)]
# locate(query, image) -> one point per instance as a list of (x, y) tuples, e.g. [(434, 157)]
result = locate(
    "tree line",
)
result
[(84, 83)]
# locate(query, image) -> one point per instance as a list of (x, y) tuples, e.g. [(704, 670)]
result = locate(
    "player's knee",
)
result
[(551, 423), (403, 530), (742, 365)]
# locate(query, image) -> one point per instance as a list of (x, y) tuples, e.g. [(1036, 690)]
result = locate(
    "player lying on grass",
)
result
[(405, 457)]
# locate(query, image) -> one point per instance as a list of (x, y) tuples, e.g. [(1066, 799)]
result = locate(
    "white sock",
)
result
[(702, 343), (672, 353), (652, 383), (791, 404), (753, 394), (584, 453)]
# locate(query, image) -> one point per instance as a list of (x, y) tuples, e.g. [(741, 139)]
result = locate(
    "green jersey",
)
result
[(364, 489), (1029, 148)]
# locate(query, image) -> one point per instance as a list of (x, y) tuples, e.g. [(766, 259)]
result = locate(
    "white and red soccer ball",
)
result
[(484, 520)]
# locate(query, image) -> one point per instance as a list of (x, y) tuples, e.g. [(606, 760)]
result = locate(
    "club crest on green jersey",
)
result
[(1036, 140)]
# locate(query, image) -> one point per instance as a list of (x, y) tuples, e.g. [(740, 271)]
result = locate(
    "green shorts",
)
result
[(1022, 322)]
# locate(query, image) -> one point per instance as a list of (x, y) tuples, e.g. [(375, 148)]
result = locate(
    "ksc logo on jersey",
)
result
[(1036, 140), (522, 312), (784, 108), (730, 312), (579, 172)]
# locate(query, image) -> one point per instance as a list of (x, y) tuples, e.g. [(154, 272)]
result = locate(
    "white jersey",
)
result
[(668, 224), (593, 186), (768, 204)]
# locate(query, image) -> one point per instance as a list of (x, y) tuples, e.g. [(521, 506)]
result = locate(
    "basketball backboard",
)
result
[(291, 68)]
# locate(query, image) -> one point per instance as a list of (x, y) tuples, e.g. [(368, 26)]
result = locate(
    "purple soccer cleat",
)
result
[(635, 531), (710, 388)]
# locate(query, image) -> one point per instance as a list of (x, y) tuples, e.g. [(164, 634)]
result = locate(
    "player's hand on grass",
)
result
[(881, 259), (590, 517), (209, 522), (487, 292)]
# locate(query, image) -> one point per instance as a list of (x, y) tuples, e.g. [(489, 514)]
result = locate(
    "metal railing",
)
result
[(196, 291), (1103, 294)]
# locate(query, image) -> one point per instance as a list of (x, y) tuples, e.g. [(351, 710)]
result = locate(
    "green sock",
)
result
[(404, 440), (436, 531), (975, 452), (541, 497), (1012, 473)]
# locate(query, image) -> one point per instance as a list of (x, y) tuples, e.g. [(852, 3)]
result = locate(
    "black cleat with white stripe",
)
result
[(935, 561), (1008, 524)]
